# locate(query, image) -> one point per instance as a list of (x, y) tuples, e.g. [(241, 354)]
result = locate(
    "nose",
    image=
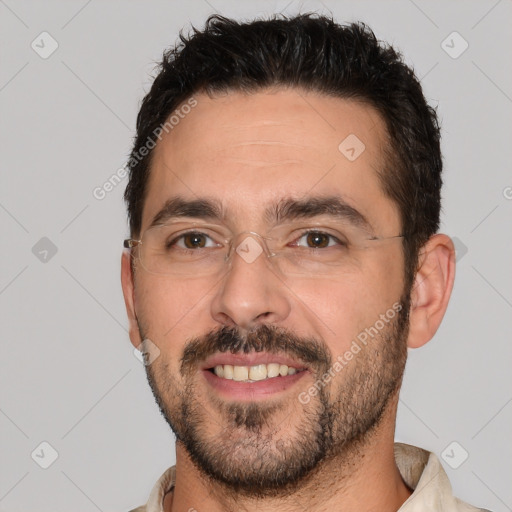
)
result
[(251, 292)]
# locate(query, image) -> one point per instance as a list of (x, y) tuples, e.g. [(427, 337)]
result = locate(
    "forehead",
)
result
[(251, 150)]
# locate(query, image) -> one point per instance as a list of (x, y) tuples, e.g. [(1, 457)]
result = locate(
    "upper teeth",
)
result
[(257, 372)]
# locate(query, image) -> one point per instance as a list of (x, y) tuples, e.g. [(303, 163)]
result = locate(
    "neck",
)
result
[(367, 478)]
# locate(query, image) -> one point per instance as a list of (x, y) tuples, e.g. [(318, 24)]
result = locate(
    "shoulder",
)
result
[(423, 472)]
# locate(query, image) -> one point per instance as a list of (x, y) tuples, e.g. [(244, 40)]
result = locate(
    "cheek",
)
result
[(344, 307), (169, 311)]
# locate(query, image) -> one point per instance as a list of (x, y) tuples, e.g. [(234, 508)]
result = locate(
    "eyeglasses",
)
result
[(200, 249)]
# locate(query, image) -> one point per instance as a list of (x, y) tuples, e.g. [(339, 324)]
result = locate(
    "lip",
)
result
[(251, 391)]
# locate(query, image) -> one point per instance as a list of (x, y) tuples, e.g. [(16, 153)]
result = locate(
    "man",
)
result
[(284, 202)]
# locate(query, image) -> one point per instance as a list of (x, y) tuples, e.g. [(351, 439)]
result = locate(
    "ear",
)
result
[(431, 289), (129, 297)]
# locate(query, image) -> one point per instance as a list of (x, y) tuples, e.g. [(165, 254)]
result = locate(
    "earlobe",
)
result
[(431, 289), (127, 282)]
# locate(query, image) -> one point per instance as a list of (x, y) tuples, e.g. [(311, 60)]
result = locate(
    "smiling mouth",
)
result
[(254, 373)]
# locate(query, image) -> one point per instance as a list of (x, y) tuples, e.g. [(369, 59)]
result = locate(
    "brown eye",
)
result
[(194, 240), (317, 240)]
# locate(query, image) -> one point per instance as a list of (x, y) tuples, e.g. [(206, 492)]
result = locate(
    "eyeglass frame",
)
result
[(131, 243)]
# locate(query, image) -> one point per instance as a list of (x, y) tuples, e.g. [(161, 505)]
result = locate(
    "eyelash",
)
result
[(317, 232), (175, 240)]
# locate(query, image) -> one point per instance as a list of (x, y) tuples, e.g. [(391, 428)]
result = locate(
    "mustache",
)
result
[(265, 338)]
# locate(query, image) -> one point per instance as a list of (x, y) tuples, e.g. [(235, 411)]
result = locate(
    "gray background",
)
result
[(68, 373)]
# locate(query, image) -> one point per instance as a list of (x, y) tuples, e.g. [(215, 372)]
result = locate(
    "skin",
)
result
[(249, 151)]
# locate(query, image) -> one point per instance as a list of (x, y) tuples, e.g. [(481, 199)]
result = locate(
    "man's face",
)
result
[(247, 154)]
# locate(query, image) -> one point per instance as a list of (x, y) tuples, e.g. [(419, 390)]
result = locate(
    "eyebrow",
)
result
[(285, 210), (330, 206)]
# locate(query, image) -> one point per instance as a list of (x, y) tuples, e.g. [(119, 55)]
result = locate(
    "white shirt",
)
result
[(420, 470)]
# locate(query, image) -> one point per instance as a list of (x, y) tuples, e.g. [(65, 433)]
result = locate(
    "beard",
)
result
[(248, 447)]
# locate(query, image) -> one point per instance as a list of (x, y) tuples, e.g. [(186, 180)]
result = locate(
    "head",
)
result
[(273, 127)]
